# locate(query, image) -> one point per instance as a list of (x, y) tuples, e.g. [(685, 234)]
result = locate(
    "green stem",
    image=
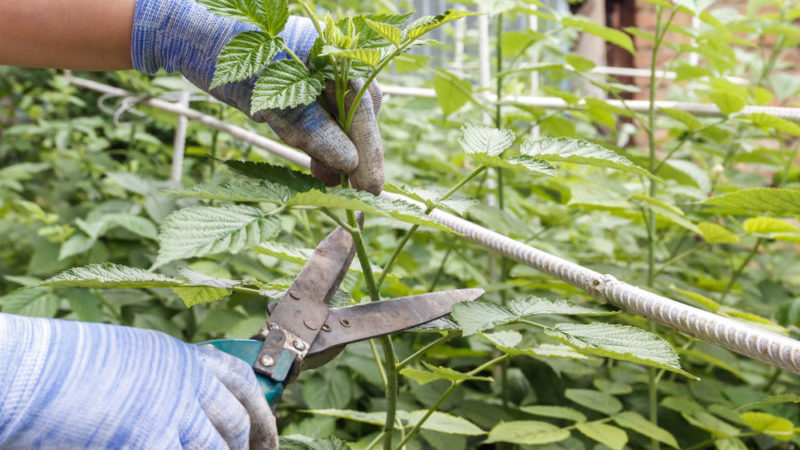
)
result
[(772, 379), (440, 271), (652, 384), (439, 341), (444, 396), (740, 269), (361, 251), (679, 257), (388, 266), (390, 364), (378, 360)]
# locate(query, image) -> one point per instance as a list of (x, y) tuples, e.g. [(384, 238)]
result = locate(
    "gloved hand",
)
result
[(67, 384), (182, 36)]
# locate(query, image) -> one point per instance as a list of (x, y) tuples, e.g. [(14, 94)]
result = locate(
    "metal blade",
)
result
[(304, 307), (368, 320)]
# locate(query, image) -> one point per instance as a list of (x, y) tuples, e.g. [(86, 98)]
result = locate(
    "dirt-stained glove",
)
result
[(66, 384), (182, 36)]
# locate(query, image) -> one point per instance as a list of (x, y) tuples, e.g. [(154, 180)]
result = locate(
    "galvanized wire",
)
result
[(771, 348)]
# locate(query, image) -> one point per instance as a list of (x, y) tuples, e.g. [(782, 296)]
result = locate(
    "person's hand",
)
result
[(67, 384), (182, 36)]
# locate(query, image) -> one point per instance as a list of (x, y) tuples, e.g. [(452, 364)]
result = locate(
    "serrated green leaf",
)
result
[(457, 202), (388, 31), (609, 34), (444, 423), (195, 295), (557, 412), (250, 11), (710, 423), (771, 122), (486, 140), (760, 200), (428, 23), (620, 342), (716, 234), (276, 16), (112, 276), (667, 211), (772, 400), (686, 118), (34, 302), (244, 56), (294, 180), (527, 432), (504, 338), (438, 421), (285, 252), (452, 93), (608, 435), (634, 421), (774, 426), (369, 56), (480, 315), (239, 190), (206, 230), (544, 351), (434, 373), (727, 102), (579, 151), (595, 400), (767, 225), (366, 202), (523, 162), (285, 84)]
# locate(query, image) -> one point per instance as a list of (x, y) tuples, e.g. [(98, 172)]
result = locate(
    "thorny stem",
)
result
[(388, 266), (446, 394), (740, 269)]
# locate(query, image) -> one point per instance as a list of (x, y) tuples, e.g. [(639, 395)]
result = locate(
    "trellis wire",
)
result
[(700, 109), (771, 348)]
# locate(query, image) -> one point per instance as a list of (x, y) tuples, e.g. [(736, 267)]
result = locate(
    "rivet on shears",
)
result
[(299, 345), (326, 327), (309, 326), (345, 323), (293, 295), (267, 361)]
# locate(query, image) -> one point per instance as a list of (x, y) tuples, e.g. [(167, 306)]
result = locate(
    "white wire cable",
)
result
[(700, 109), (771, 348)]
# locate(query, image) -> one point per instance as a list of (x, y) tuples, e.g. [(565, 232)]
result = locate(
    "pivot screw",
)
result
[(267, 361), (299, 345)]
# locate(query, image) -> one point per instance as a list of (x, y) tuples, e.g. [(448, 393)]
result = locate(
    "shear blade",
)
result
[(369, 320)]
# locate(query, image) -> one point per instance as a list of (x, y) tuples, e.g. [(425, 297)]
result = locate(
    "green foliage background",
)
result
[(80, 185)]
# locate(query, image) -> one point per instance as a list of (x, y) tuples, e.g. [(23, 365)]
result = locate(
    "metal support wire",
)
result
[(771, 348), (700, 109)]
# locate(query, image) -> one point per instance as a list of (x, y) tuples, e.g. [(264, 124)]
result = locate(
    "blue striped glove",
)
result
[(67, 384), (182, 36)]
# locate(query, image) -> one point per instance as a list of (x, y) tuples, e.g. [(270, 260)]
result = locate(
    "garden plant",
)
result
[(700, 208)]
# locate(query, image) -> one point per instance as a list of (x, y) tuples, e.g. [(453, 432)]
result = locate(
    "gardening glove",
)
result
[(182, 36), (66, 384)]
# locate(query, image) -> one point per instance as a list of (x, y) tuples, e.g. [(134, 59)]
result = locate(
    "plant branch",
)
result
[(740, 269), (439, 341)]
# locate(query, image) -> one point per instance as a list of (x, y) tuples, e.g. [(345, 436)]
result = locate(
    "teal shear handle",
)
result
[(247, 350)]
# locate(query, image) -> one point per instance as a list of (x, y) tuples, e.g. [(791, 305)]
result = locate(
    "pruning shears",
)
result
[(303, 332)]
